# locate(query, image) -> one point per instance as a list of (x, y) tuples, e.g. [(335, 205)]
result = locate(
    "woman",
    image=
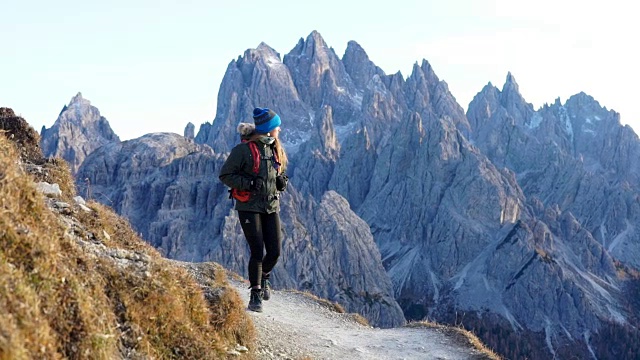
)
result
[(256, 186)]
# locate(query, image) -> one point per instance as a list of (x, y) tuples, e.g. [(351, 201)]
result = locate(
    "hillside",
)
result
[(77, 282)]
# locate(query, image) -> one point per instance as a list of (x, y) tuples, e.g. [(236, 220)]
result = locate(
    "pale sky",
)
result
[(152, 66)]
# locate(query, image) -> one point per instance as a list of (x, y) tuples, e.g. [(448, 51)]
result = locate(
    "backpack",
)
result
[(245, 195)]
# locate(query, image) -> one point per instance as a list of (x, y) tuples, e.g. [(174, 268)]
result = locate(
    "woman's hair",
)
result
[(282, 155)]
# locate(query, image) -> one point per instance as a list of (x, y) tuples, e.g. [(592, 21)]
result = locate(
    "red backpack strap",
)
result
[(255, 153)]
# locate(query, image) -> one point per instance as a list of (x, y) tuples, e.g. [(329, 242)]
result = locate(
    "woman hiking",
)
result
[(254, 171)]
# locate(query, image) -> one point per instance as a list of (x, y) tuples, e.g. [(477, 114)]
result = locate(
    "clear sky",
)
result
[(153, 66)]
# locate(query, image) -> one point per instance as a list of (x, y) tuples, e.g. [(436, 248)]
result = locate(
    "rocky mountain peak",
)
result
[(264, 55), (489, 89), (358, 66), (321, 78), (584, 101), (424, 77), (512, 100), (428, 94), (313, 47), (78, 131), (510, 83), (79, 100), (264, 51), (511, 90), (355, 53), (482, 108), (316, 40), (583, 97), (586, 111), (428, 71)]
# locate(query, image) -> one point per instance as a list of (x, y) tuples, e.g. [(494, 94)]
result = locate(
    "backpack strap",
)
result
[(255, 154)]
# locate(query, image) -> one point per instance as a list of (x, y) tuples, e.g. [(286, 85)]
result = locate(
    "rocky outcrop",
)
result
[(18, 131), (78, 131), (190, 131)]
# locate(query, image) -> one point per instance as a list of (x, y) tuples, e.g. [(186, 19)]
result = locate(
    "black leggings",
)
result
[(262, 232)]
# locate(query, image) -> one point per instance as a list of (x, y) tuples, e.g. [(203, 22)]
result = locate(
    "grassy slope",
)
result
[(82, 284)]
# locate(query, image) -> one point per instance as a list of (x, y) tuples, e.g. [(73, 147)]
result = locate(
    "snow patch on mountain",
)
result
[(536, 119), (622, 236)]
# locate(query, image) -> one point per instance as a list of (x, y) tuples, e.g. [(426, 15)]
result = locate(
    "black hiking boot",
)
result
[(266, 289), (255, 301)]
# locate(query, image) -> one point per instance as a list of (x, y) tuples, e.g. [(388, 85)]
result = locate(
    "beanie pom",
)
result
[(265, 120), (258, 112)]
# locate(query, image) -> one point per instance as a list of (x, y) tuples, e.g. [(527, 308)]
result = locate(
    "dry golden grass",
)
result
[(333, 306), (359, 319), (60, 300), (461, 334), (56, 171), (625, 272)]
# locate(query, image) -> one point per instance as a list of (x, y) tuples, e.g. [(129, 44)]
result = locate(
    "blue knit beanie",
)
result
[(265, 120)]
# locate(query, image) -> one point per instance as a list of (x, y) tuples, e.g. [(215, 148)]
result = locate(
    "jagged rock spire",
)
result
[(511, 84), (358, 66), (189, 131), (78, 131)]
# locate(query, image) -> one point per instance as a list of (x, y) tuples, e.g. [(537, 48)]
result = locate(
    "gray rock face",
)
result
[(333, 255), (577, 167), (78, 131), (430, 97), (190, 131), (517, 216), (576, 156), (168, 188), (314, 169), (357, 64), (321, 78)]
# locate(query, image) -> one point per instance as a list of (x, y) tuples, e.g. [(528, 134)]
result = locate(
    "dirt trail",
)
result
[(294, 326)]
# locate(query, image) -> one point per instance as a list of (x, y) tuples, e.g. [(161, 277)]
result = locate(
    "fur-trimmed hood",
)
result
[(246, 130)]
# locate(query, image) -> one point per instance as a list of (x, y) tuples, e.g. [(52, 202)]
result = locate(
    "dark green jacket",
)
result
[(237, 173)]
